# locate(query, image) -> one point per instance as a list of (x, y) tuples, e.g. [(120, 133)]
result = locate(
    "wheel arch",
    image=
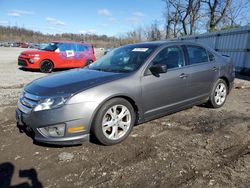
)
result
[(226, 80), (127, 98), (47, 60)]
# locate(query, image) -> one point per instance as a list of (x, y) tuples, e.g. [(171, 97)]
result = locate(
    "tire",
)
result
[(88, 62), (218, 95), (108, 127), (46, 66)]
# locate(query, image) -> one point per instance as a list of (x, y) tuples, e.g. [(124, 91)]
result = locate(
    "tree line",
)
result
[(16, 34), (181, 17)]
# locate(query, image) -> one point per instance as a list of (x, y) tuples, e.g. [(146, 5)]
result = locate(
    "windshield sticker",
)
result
[(140, 49)]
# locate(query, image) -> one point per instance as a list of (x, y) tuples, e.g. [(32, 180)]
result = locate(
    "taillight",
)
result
[(93, 49)]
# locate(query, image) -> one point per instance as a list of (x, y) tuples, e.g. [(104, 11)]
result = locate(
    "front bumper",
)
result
[(70, 115), (23, 61)]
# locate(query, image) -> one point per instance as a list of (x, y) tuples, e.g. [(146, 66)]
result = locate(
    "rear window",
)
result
[(65, 47), (197, 54), (82, 47)]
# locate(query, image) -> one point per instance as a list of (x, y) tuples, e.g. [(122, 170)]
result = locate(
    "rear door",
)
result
[(79, 59), (204, 72), (67, 54), (167, 91)]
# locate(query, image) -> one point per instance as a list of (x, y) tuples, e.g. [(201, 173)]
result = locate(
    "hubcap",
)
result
[(220, 94), (116, 122)]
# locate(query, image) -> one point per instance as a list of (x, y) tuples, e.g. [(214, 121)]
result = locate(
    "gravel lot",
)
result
[(193, 148)]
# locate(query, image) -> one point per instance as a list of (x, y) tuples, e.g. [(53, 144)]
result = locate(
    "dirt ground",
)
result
[(198, 147)]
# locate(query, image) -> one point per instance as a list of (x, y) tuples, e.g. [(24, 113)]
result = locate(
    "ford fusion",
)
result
[(130, 85)]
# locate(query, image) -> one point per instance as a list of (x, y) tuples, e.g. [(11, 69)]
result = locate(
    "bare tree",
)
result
[(153, 32), (217, 10), (172, 17), (194, 14), (181, 16), (238, 12)]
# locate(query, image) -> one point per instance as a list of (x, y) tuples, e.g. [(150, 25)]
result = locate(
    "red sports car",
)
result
[(58, 54)]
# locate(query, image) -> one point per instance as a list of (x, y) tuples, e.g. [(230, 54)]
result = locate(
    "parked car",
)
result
[(6, 44), (34, 46), (58, 54), (24, 45), (130, 85), (42, 45)]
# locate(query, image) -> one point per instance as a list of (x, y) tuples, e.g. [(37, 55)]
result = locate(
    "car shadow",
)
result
[(7, 172), (242, 76), (38, 71)]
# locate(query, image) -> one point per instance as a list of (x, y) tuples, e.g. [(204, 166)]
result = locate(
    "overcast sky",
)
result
[(110, 17)]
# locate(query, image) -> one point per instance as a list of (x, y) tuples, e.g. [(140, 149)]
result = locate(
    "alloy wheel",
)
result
[(116, 122), (220, 94)]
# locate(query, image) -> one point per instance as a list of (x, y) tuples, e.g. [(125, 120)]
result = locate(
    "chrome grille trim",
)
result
[(31, 97), (27, 102), (23, 108)]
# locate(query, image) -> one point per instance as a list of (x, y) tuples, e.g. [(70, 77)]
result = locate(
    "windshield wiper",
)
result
[(99, 69), (109, 70), (119, 71)]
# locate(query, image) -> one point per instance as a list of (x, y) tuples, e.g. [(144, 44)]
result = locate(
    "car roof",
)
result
[(165, 42), (71, 42)]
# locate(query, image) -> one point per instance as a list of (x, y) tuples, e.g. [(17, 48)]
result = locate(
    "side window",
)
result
[(170, 56), (81, 48), (197, 55), (65, 46), (74, 47)]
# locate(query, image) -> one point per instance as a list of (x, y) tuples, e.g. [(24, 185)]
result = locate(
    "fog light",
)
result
[(53, 131), (31, 61)]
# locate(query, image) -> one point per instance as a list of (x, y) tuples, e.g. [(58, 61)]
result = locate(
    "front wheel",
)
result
[(114, 121), (46, 66), (219, 93)]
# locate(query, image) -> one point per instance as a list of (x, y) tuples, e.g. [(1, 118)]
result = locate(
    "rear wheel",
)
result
[(114, 121), (219, 93), (46, 66), (88, 62)]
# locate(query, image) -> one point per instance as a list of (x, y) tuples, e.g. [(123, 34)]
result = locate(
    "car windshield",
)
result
[(50, 47), (124, 59)]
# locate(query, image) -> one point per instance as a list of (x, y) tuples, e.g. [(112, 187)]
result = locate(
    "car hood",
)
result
[(70, 82), (31, 52)]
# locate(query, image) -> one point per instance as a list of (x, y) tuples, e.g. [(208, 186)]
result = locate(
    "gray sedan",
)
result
[(130, 85)]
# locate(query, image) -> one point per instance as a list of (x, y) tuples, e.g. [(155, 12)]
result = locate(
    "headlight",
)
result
[(33, 55), (50, 103)]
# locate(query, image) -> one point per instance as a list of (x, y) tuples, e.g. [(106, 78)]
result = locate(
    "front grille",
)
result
[(22, 62), (27, 102)]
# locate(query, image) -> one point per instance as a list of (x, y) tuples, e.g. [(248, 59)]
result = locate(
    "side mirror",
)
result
[(158, 68)]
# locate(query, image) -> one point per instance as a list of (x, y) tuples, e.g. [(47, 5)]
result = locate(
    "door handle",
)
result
[(183, 76), (214, 69)]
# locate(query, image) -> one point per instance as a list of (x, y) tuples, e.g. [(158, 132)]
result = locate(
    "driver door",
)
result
[(167, 91)]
